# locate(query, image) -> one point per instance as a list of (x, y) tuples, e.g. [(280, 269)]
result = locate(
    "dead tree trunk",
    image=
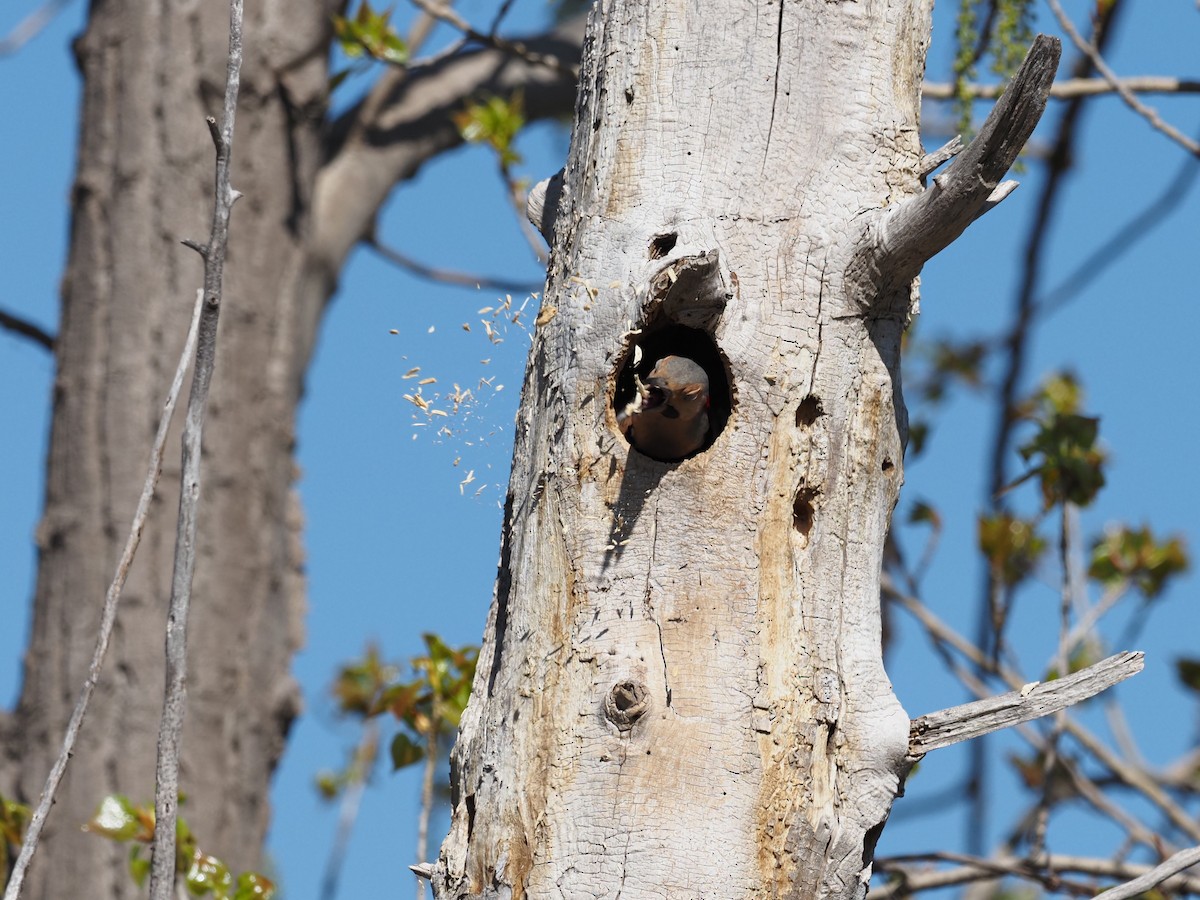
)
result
[(681, 690)]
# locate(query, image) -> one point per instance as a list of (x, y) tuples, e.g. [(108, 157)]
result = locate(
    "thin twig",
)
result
[(361, 766), (971, 868), (1032, 701), (1088, 49), (995, 595), (26, 329), (1129, 774), (1184, 859), (1068, 88), (108, 615), (31, 26), (449, 276), (1123, 240), (427, 786), (516, 48), (166, 789)]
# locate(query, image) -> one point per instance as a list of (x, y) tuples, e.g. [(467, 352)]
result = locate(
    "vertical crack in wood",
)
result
[(775, 95)]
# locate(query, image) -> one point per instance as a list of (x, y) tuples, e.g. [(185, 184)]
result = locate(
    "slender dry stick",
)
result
[(431, 757), (166, 790), (1017, 345), (1068, 88), (1182, 860), (448, 276), (31, 26), (1129, 774), (516, 48), (108, 615), (1088, 49), (361, 767), (26, 329)]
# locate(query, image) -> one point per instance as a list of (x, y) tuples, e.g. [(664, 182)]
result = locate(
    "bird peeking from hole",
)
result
[(667, 419)]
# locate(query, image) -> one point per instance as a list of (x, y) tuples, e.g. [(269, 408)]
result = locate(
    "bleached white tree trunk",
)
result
[(681, 692)]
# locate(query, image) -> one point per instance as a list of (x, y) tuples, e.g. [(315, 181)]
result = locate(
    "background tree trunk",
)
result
[(681, 691), (152, 72)]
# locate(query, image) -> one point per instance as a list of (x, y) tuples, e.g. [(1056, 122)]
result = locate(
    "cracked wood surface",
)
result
[(681, 692)]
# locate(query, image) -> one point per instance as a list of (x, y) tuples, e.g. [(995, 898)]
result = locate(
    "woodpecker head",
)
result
[(668, 419), (676, 388)]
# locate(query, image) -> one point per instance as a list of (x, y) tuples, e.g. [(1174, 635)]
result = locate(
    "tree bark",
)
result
[(681, 691), (152, 72)]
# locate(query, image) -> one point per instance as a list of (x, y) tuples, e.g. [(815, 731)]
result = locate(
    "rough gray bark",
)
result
[(152, 72), (681, 692)]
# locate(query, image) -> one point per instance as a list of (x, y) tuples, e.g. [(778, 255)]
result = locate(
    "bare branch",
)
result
[(943, 154), (108, 615), (26, 329), (899, 242), (1123, 239), (166, 787), (362, 764), (1068, 88), (960, 723), (1182, 860), (31, 26), (1041, 869), (449, 276), (1088, 49), (407, 119), (1128, 773), (516, 48)]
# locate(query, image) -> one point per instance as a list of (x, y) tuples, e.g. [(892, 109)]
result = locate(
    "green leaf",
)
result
[(494, 121), (116, 818), (14, 818), (139, 865), (923, 512), (208, 875), (1139, 557), (405, 751), (1071, 467), (1011, 545), (253, 886)]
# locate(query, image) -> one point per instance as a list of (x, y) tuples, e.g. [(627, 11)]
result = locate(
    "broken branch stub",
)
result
[(1040, 698), (899, 240), (692, 291)]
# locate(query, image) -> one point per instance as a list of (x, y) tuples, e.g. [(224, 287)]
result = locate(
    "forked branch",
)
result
[(166, 777), (900, 241)]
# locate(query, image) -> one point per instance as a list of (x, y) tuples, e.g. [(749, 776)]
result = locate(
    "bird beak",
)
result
[(657, 393)]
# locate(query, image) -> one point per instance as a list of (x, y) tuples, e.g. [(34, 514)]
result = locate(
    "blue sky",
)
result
[(395, 548)]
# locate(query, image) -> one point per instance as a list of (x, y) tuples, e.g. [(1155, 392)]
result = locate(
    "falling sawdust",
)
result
[(461, 416)]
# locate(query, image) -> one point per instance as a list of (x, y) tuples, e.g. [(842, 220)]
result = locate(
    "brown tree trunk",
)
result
[(152, 72)]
